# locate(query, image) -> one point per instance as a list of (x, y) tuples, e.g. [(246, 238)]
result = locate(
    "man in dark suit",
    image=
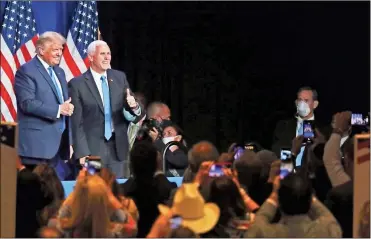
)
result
[(98, 124), (287, 130), (44, 107)]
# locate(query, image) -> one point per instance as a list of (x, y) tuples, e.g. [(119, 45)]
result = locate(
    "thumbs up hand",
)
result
[(130, 99), (67, 108)]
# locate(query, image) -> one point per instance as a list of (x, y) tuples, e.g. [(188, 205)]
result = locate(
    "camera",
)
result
[(147, 125)]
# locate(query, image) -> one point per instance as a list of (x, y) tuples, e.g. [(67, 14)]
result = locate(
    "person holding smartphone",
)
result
[(286, 130)]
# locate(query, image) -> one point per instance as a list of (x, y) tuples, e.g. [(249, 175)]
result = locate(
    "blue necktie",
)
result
[(107, 109), (300, 155), (59, 93)]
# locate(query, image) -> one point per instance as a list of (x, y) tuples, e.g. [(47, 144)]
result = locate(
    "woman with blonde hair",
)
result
[(91, 210)]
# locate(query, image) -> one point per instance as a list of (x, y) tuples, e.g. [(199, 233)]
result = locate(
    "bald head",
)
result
[(157, 110), (202, 152)]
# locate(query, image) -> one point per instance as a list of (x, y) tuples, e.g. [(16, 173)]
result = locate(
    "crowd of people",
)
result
[(104, 131)]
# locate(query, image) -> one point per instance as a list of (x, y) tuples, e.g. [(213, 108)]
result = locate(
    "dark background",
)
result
[(230, 70)]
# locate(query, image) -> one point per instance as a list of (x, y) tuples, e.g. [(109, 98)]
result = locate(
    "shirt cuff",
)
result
[(137, 110), (59, 112)]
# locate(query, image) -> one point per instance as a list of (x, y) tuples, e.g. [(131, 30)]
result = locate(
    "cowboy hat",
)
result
[(188, 204)]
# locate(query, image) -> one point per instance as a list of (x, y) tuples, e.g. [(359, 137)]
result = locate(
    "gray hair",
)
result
[(49, 37), (94, 44)]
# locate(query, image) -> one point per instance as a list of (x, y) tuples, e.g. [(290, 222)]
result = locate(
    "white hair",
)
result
[(93, 46), (49, 37)]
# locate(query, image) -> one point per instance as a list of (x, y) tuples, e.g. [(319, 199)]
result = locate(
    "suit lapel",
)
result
[(114, 88), (89, 80), (46, 76), (63, 82)]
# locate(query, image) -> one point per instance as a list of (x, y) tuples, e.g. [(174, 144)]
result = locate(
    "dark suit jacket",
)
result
[(39, 132), (285, 132), (340, 202), (88, 117)]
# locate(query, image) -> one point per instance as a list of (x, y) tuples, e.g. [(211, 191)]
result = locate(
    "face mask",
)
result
[(168, 139), (303, 109)]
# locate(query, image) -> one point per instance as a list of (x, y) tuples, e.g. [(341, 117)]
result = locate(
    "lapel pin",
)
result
[(111, 80)]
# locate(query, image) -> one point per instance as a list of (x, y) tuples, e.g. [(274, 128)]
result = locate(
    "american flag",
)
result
[(83, 31), (18, 38)]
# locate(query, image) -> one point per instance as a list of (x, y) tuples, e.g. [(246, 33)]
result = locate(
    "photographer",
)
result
[(163, 135)]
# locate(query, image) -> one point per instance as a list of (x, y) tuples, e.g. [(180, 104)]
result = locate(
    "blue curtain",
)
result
[(50, 15)]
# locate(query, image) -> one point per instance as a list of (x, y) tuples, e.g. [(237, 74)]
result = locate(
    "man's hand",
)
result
[(131, 100), (274, 171), (154, 134), (67, 108), (82, 160), (296, 145), (342, 121)]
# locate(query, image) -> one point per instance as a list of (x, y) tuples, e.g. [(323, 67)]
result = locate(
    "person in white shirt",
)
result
[(99, 127)]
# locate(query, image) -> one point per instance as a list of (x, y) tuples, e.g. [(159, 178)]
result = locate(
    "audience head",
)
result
[(49, 232), (51, 184), (190, 206), (165, 112), (49, 47), (182, 232), (202, 152), (226, 195), (267, 158), (171, 132), (249, 168), (90, 208), (99, 55), (295, 195), (143, 160), (306, 102)]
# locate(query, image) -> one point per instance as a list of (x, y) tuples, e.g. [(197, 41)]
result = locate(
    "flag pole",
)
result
[(99, 35)]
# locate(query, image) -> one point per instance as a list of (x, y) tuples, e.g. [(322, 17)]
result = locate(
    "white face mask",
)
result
[(166, 140), (303, 109)]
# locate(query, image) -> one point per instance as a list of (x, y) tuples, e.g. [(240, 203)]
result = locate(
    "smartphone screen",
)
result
[(286, 168), (92, 166), (308, 129), (216, 170), (175, 222), (285, 153), (360, 119), (238, 151)]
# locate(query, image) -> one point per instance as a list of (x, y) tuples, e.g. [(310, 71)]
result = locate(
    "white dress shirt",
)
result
[(46, 66), (98, 83)]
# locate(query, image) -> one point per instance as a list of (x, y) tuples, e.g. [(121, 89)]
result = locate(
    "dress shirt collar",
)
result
[(301, 120), (46, 65), (96, 75)]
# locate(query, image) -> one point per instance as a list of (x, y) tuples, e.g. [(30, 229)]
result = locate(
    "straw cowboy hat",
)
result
[(188, 204)]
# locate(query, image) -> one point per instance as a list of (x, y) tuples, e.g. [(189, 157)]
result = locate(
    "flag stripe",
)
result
[(8, 101), (25, 53), (18, 37), (81, 33), (6, 66), (70, 62), (5, 113), (8, 84)]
